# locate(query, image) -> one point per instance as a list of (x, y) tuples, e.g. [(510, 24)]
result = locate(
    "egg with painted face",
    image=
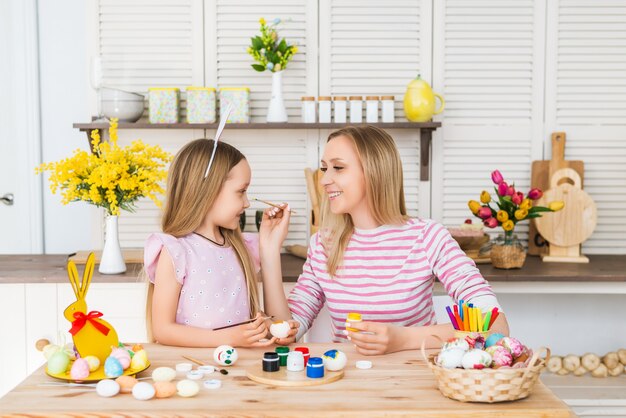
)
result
[(334, 360), (225, 355), (280, 329)]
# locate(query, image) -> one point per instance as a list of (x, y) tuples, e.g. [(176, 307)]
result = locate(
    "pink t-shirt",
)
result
[(214, 292)]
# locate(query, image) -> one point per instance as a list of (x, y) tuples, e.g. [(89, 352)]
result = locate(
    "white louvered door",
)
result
[(377, 48), (586, 98), (488, 64)]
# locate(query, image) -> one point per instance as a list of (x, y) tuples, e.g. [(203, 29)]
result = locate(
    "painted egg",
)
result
[(456, 343), (139, 361), (500, 356), (513, 345), (127, 383), (122, 356), (164, 389), (143, 391), (107, 388), (476, 359), (334, 360), (493, 339), (280, 329), (187, 388), (80, 369), (49, 350), (93, 361), (163, 374), (451, 358), (225, 355), (112, 367), (58, 362)]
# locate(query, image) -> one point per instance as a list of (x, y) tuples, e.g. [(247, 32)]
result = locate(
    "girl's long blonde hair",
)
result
[(384, 190), (190, 196)]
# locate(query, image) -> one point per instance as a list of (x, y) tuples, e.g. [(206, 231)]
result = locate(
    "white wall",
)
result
[(64, 73)]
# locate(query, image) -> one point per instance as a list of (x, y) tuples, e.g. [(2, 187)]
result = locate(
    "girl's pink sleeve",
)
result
[(152, 251), (252, 242)]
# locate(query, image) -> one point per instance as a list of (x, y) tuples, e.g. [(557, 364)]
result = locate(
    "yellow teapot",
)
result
[(419, 101)]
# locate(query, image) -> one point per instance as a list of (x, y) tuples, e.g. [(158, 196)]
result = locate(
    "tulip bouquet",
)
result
[(512, 206)]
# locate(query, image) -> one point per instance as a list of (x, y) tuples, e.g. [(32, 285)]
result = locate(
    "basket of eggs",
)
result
[(472, 368)]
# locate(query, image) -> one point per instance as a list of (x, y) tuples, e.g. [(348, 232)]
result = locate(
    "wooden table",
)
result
[(399, 384)]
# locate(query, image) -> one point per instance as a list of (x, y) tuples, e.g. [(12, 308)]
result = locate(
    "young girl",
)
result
[(203, 268), (369, 256)]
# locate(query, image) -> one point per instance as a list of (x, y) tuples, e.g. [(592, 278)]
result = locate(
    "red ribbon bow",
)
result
[(81, 320)]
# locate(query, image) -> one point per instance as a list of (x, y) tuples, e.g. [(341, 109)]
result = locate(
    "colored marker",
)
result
[(486, 327), (452, 318)]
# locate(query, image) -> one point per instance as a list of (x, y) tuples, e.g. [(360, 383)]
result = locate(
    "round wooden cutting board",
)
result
[(573, 224), (286, 378)]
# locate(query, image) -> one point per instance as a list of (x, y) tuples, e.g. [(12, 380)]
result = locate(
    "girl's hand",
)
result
[(250, 335), (291, 338), (274, 227), (376, 338)]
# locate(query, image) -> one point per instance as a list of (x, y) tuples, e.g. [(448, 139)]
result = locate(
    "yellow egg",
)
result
[(140, 360), (93, 361)]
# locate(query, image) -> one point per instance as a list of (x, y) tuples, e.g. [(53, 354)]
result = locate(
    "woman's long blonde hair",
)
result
[(190, 196), (384, 190)]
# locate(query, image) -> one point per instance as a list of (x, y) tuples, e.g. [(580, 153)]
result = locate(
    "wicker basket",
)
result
[(488, 385)]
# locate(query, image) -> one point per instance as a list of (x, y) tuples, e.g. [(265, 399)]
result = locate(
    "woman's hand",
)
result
[(249, 335), (291, 337), (274, 227), (375, 338)]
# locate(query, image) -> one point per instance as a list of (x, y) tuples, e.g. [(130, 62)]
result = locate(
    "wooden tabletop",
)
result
[(399, 384), (601, 268)]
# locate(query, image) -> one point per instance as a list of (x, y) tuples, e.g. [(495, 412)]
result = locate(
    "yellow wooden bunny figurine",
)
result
[(91, 335)]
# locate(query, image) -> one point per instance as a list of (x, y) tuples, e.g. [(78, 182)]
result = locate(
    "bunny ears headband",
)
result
[(220, 128)]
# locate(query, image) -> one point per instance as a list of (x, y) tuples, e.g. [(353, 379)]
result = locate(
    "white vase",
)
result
[(112, 260), (276, 111)]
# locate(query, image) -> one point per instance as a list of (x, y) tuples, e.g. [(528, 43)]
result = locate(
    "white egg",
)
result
[(280, 329), (163, 374), (476, 359), (334, 360), (225, 355), (143, 391), (107, 388), (451, 358), (187, 388)]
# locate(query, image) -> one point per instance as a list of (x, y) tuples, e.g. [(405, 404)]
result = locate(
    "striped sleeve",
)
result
[(456, 271), (307, 297)]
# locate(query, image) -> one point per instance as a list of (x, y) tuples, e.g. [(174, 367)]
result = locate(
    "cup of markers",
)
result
[(468, 319)]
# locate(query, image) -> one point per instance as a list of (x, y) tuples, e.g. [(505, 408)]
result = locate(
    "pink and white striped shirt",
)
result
[(388, 274)]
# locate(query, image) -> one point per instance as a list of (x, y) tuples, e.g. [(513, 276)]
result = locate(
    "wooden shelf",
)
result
[(426, 129)]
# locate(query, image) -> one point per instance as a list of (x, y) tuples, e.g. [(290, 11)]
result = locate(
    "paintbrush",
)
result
[(267, 202), (201, 363), (242, 323)]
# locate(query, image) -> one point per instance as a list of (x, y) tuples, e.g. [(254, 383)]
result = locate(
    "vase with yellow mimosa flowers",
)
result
[(506, 210), (113, 178)]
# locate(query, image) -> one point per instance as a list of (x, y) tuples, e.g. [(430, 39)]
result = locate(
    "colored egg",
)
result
[(122, 356), (225, 355), (451, 358), (164, 389), (80, 369), (93, 361), (112, 367), (139, 361), (280, 329), (501, 357), (493, 339), (513, 345), (49, 350), (143, 391), (334, 360), (456, 343), (163, 374), (476, 359), (137, 347), (58, 363), (107, 388), (187, 388), (127, 383)]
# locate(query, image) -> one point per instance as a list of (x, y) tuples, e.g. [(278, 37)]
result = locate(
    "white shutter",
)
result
[(230, 25), (586, 98), (488, 65), (377, 48)]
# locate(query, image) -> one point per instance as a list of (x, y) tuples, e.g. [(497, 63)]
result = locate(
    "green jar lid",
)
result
[(282, 350)]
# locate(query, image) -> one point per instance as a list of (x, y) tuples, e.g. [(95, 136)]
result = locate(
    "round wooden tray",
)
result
[(286, 378), (95, 376)]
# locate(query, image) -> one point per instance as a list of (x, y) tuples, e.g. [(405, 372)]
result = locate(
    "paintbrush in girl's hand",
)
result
[(267, 202), (242, 323)]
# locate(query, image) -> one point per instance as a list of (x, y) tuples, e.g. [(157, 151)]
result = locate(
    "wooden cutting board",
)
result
[(541, 173)]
